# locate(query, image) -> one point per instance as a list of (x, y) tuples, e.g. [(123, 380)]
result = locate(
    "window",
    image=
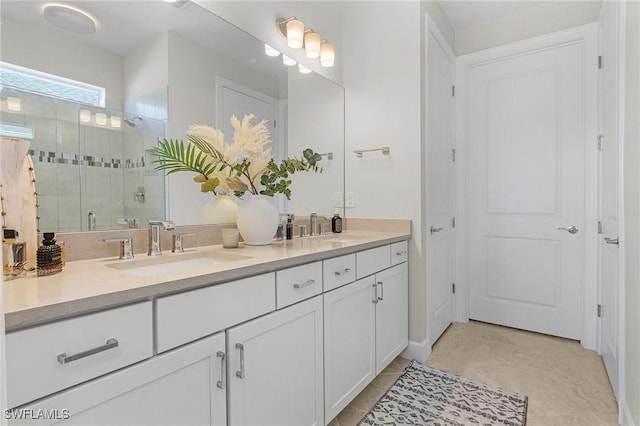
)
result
[(15, 131), (29, 80)]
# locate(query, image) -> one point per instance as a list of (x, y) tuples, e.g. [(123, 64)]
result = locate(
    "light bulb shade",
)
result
[(270, 51), (288, 61), (327, 54), (116, 121), (303, 69), (312, 44), (13, 103), (295, 33), (101, 118), (85, 116)]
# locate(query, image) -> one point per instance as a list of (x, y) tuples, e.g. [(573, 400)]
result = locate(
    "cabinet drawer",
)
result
[(184, 317), (45, 359), (338, 271), (373, 260), (399, 252), (298, 283)]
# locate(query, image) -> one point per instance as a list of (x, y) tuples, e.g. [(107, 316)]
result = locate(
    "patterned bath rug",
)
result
[(424, 395)]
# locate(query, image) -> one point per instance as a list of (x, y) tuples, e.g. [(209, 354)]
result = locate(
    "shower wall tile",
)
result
[(12, 117), (38, 106), (67, 111), (44, 131), (46, 178), (68, 138), (68, 180)]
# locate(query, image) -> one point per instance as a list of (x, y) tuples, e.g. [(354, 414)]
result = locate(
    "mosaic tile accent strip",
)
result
[(86, 160)]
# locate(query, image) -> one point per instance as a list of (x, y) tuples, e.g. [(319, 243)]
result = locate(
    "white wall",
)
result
[(61, 56), (382, 73), (632, 212), (258, 18), (543, 19), (192, 100), (146, 68)]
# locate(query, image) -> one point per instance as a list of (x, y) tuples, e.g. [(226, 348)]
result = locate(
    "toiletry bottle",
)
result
[(336, 223), (289, 229), (49, 256)]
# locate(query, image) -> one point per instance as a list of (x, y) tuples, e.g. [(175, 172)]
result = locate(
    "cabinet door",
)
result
[(176, 388), (349, 333), (392, 330), (275, 368)]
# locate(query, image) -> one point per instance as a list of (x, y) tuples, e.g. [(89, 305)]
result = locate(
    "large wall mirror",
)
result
[(93, 104)]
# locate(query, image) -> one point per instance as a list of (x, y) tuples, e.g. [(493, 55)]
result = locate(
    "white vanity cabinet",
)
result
[(181, 387), (366, 327), (275, 368)]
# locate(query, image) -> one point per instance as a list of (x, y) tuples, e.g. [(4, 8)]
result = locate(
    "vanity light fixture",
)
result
[(293, 30), (327, 54), (14, 104), (303, 69), (85, 116), (312, 44), (116, 121), (69, 18), (101, 118), (288, 61), (270, 51)]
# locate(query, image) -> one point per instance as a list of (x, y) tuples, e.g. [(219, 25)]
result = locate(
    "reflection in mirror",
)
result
[(162, 68)]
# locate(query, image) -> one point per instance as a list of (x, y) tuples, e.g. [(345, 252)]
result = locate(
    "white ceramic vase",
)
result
[(222, 209), (257, 219)]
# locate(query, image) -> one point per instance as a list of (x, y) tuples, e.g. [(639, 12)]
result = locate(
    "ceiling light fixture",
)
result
[(101, 118), (303, 69), (327, 54), (14, 104), (85, 116), (69, 18)]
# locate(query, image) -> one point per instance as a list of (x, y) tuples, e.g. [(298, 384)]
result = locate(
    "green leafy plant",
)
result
[(245, 165)]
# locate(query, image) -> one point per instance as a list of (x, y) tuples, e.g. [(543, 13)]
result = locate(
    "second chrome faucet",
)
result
[(154, 235)]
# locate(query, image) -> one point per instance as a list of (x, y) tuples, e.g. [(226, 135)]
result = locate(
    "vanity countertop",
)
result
[(90, 285)]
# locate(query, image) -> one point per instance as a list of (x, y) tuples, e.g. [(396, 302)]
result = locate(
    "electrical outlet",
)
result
[(351, 200), (338, 199)]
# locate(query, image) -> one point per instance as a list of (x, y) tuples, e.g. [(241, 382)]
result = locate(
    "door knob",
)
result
[(433, 230), (615, 241), (571, 229)]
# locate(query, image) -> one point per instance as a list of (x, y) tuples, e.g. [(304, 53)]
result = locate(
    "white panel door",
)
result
[(275, 368), (526, 136), (440, 184), (609, 202)]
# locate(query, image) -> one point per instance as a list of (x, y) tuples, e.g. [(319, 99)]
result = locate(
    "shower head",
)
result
[(132, 121)]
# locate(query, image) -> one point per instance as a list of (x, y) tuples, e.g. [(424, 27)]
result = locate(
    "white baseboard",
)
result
[(626, 418), (419, 351)]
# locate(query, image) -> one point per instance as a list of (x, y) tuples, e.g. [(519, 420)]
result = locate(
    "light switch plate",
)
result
[(338, 199), (351, 200)]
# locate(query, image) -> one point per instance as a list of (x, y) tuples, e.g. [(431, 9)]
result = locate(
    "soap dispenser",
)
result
[(336, 223)]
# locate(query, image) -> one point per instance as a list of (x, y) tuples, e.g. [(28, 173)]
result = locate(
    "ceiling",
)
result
[(462, 14)]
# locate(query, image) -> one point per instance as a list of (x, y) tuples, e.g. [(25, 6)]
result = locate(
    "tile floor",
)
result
[(566, 383)]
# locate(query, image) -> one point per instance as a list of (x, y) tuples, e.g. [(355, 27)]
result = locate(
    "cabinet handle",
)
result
[(400, 253), (375, 293), (222, 383), (64, 359), (240, 373), (345, 271), (381, 297), (307, 283)]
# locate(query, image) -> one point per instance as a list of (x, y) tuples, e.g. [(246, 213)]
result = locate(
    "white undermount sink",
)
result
[(170, 263)]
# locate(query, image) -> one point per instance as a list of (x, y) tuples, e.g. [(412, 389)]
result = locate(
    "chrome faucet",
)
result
[(154, 235)]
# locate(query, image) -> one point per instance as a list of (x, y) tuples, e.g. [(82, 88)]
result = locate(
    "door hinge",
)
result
[(453, 155), (600, 143), (453, 222), (453, 288), (600, 311), (453, 91), (600, 62), (599, 227)]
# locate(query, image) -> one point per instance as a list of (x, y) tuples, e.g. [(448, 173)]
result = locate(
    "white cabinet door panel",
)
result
[(276, 376), (392, 320)]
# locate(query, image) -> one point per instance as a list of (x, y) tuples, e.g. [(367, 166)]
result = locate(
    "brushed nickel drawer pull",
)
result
[(375, 293), (64, 359), (304, 284), (380, 285), (223, 368), (240, 373)]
